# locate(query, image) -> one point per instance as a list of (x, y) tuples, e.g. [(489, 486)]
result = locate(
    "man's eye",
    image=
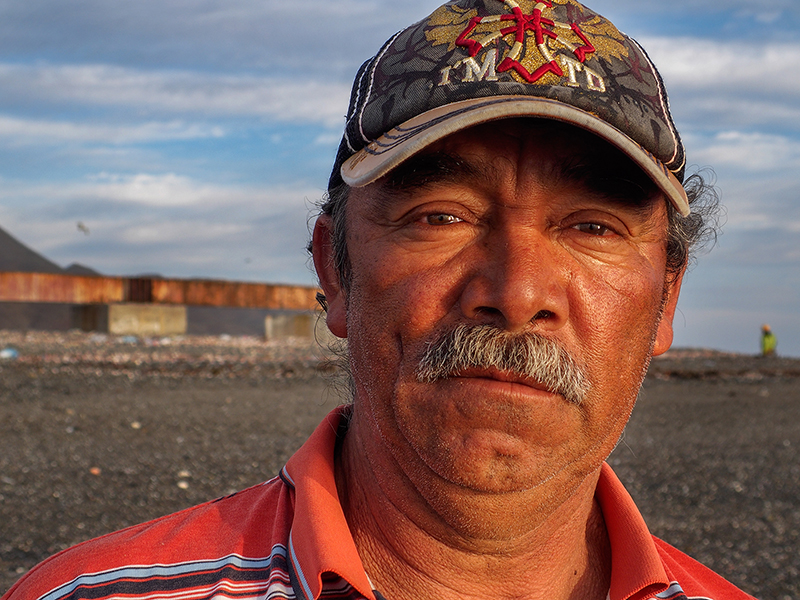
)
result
[(442, 219), (593, 229)]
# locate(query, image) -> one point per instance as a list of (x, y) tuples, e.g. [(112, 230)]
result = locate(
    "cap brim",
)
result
[(384, 154)]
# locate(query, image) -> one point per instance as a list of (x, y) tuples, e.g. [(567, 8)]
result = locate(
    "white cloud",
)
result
[(783, 229), (751, 152), (713, 65), (178, 92), (173, 231), (769, 17), (151, 190), (15, 130), (724, 109), (155, 190), (328, 139), (762, 205)]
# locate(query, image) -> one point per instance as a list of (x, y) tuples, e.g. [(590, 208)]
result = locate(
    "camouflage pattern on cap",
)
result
[(556, 50)]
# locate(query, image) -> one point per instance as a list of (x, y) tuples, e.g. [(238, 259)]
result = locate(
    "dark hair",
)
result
[(685, 235)]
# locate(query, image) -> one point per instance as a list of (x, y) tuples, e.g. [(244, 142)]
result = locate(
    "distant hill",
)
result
[(16, 256), (81, 270)]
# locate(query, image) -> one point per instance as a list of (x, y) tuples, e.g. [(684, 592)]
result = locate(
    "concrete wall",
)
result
[(141, 320), (146, 319), (150, 320), (21, 316), (304, 324)]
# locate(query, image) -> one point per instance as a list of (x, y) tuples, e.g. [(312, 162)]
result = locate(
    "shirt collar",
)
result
[(320, 541), (636, 568)]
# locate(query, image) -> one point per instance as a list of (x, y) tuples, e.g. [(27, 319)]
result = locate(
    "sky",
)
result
[(191, 138)]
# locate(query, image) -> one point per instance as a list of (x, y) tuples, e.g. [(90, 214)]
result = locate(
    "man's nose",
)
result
[(518, 280)]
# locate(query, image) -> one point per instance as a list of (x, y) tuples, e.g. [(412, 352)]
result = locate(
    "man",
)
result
[(502, 246), (768, 341)]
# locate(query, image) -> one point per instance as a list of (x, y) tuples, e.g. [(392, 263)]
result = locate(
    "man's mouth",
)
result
[(503, 376)]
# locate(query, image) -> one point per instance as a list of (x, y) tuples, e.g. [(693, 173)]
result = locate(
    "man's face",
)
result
[(527, 228)]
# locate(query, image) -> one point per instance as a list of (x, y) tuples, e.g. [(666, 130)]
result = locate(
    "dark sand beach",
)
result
[(98, 433)]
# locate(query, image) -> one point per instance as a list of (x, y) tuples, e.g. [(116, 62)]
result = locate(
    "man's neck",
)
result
[(412, 550)]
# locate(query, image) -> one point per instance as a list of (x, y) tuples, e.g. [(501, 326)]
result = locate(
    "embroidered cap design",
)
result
[(524, 26)]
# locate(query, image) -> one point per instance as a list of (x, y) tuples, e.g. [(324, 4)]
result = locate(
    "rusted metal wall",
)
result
[(235, 294), (65, 289), (69, 289)]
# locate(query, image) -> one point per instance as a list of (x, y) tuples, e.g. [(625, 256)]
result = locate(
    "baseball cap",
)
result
[(474, 61)]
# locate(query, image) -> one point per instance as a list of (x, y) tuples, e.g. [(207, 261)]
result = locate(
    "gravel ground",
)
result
[(98, 433)]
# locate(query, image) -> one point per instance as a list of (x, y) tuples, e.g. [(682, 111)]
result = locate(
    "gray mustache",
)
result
[(523, 354)]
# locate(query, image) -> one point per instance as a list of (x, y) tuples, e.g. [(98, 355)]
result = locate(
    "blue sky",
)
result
[(191, 138)]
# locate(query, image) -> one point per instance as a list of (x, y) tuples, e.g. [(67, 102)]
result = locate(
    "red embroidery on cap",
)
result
[(523, 26)]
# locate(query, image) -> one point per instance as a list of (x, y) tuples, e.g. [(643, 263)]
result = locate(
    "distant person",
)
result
[(502, 244), (768, 341)]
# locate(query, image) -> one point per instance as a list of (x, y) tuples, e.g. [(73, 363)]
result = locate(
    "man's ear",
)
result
[(664, 333), (323, 254)]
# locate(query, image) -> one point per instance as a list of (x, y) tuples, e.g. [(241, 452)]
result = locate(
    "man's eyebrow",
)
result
[(428, 169)]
